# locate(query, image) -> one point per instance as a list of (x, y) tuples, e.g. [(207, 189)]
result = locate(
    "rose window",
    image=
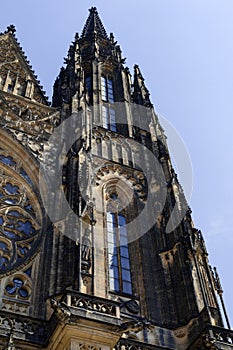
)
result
[(19, 225)]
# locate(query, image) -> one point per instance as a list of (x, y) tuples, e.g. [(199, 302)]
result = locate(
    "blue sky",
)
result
[(185, 50)]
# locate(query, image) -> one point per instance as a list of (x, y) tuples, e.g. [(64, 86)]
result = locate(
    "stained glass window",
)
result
[(8, 160), (18, 226), (25, 175), (16, 287)]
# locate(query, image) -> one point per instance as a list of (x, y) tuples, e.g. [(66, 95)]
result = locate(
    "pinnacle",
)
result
[(94, 25)]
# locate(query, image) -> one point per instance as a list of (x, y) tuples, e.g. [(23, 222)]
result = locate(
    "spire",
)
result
[(94, 25)]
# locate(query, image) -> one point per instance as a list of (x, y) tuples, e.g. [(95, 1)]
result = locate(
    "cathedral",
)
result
[(98, 249)]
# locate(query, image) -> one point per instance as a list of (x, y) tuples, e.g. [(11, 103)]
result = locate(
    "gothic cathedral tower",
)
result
[(97, 246)]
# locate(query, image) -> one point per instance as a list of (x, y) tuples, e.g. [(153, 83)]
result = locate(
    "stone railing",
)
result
[(129, 344), (218, 334), (92, 303), (23, 328)]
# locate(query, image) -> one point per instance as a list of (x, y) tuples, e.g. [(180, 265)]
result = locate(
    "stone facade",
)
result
[(98, 249)]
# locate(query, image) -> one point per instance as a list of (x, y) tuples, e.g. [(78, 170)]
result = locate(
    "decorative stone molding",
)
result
[(19, 225), (85, 346), (134, 178), (94, 304), (24, 328)]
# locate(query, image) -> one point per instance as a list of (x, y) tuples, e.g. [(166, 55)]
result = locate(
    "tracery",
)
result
[(19, 223)]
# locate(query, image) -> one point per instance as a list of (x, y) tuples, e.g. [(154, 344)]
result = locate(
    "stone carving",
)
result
[(87, 303), (86, 252), (61, 309), (22, 327), (19, 227), (82, 346), (136, 178)]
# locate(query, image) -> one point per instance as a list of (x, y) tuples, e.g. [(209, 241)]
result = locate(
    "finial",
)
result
[(10, 29), (93, 10)]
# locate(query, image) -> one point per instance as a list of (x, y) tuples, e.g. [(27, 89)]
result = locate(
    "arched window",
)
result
[(109, 118), (118, 254), (107, 90), (108, 112)]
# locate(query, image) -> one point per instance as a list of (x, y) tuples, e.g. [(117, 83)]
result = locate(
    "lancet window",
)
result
[(109, 118), (107, 90), (108, 111), (118, 250)]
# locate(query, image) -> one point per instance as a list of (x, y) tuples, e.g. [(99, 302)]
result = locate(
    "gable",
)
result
[(16, 76)]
